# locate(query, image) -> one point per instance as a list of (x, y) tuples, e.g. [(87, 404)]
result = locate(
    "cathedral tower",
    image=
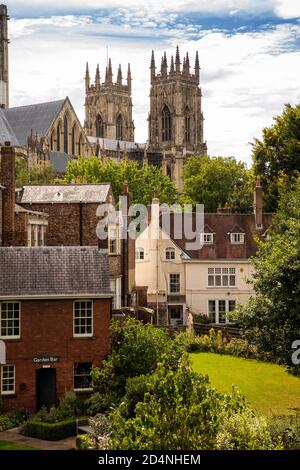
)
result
[(176, 118), (108, 105), (4, 83)]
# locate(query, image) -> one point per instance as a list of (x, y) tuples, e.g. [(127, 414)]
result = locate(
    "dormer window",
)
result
[(237, 238), (207, 238), (170, 253)]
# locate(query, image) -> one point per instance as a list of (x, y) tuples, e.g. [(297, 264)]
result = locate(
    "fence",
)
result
[(227, 330)]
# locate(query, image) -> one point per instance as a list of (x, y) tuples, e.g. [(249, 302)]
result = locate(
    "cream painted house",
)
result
[(210, 280)]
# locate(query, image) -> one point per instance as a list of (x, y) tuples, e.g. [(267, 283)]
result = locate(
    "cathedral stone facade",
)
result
[(4, 98), (108, 106)]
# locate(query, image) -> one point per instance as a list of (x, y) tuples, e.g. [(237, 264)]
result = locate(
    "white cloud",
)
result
[(246, 77), (287, 8)]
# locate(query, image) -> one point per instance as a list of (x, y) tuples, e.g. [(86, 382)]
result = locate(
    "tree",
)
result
[(271, 319), (142, 181), (183, 411), (276, 156), (35, 174), (218, 180)]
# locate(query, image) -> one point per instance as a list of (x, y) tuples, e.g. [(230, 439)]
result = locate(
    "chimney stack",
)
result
[(8, 197), (258, 204)]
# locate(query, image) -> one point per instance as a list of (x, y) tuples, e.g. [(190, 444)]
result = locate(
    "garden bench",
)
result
[(83, 427)]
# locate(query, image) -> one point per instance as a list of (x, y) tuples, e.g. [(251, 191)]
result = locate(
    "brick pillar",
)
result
[(8, 196), (258, 203)]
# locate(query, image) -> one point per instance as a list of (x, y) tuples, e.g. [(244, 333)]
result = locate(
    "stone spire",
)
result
[(87, 78), (164, 65), (152, 66), (197, 67), (119, 77), (129, 78), (177, 61), (172, 69), (97, 79), (187, 64), (108, 75)]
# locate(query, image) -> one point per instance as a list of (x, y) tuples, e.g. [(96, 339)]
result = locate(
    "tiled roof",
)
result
[(34, 118), (47, 271), (6, 132), (59, 161), (67, 193)]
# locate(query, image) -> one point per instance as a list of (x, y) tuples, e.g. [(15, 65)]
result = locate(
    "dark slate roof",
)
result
[(6, 132), (65, 193), (59, 161), (35, 118), (47, 271)]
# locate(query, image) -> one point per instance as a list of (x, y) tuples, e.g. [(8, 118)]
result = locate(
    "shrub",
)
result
[(84, 442), (10, 420), (49, 431), (288, 428), (69, 407), (136, 387)]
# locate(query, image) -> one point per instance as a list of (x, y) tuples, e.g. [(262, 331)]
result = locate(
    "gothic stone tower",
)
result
[(176, 118), (108, 106), (4, 83)]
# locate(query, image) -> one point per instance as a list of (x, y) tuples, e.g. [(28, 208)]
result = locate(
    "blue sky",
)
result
[(249, 54)]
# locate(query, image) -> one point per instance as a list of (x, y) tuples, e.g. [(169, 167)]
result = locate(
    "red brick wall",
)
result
[(47, 329), (8, 196)]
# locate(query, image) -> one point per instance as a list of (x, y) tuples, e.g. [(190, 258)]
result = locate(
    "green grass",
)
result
[(268, 387), (7, 445)]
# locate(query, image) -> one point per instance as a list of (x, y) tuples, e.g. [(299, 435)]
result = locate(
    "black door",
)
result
[(45, 388)]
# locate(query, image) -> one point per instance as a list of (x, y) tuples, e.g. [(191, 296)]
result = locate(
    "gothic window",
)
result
[(58, 138), (187, 124), (73, 140), (79, 146), (66, 136), (119, 128), (99, 126), (166, 125)]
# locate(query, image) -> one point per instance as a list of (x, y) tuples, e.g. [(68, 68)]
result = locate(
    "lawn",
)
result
[(7, 445), (268, 387)]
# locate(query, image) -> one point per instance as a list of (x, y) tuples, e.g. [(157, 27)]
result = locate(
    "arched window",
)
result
[(140, 253), (187, 125), (66, 135), (73, 140), (119, 128), (99, 126), (166, 125), (79, 146), (170, 253), (51, 142), (58, 138)]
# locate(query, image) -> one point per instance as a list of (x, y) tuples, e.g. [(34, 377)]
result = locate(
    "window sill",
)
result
[(221, 287), (10, 338), (8, 395), (84, 337), (83, 390)]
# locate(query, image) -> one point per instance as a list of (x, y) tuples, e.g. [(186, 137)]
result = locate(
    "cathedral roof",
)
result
[(32, 119), (6, 132), (53, 271)]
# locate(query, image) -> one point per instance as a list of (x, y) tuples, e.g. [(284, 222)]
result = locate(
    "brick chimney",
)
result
[(258, 203), (128, 252), (8, 196)]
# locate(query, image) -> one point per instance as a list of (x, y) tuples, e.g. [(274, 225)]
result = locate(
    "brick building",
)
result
[(55, 308)]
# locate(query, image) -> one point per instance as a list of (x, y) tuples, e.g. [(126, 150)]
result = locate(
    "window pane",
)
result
[(83, 316), (82, 377), (222, 311), (212, 311), (232, 280)]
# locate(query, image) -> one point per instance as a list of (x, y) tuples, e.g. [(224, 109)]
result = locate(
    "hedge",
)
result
[(50, 431)]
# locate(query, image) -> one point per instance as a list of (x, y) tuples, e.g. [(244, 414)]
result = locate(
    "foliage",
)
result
[(10, 420), (136, 387), (49, 431), (142, 181), (182, 411), (84, 442), (276, 156), (218, 180), (101, 429), (137, 348), (68, 407), (36, 174), (8, 445), (288, 428), (271, 318), (245, 431)]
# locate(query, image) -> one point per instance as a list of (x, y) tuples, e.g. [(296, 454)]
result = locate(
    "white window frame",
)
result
[(8, 392), (237, 238), (207, 238), (12, 319), (114, 235), (217, 310), (170, 253), (140, 250), (216, 277), (83, 335), (115, 286), (81, 389), (170, 284)]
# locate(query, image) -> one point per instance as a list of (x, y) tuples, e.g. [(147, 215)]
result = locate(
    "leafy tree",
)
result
[(35, 174), (218, 180), (142, 181), (271, 319), (276, 156), (182, 411)]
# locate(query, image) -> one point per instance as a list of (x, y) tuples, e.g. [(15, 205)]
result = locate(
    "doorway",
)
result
[(45, 388)]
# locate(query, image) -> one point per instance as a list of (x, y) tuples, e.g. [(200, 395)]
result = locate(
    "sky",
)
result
[(249, 54)]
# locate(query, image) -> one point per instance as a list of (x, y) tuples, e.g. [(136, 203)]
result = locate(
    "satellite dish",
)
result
[(2, 352)]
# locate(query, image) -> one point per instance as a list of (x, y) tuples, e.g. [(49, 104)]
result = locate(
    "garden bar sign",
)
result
[(45, 359)]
